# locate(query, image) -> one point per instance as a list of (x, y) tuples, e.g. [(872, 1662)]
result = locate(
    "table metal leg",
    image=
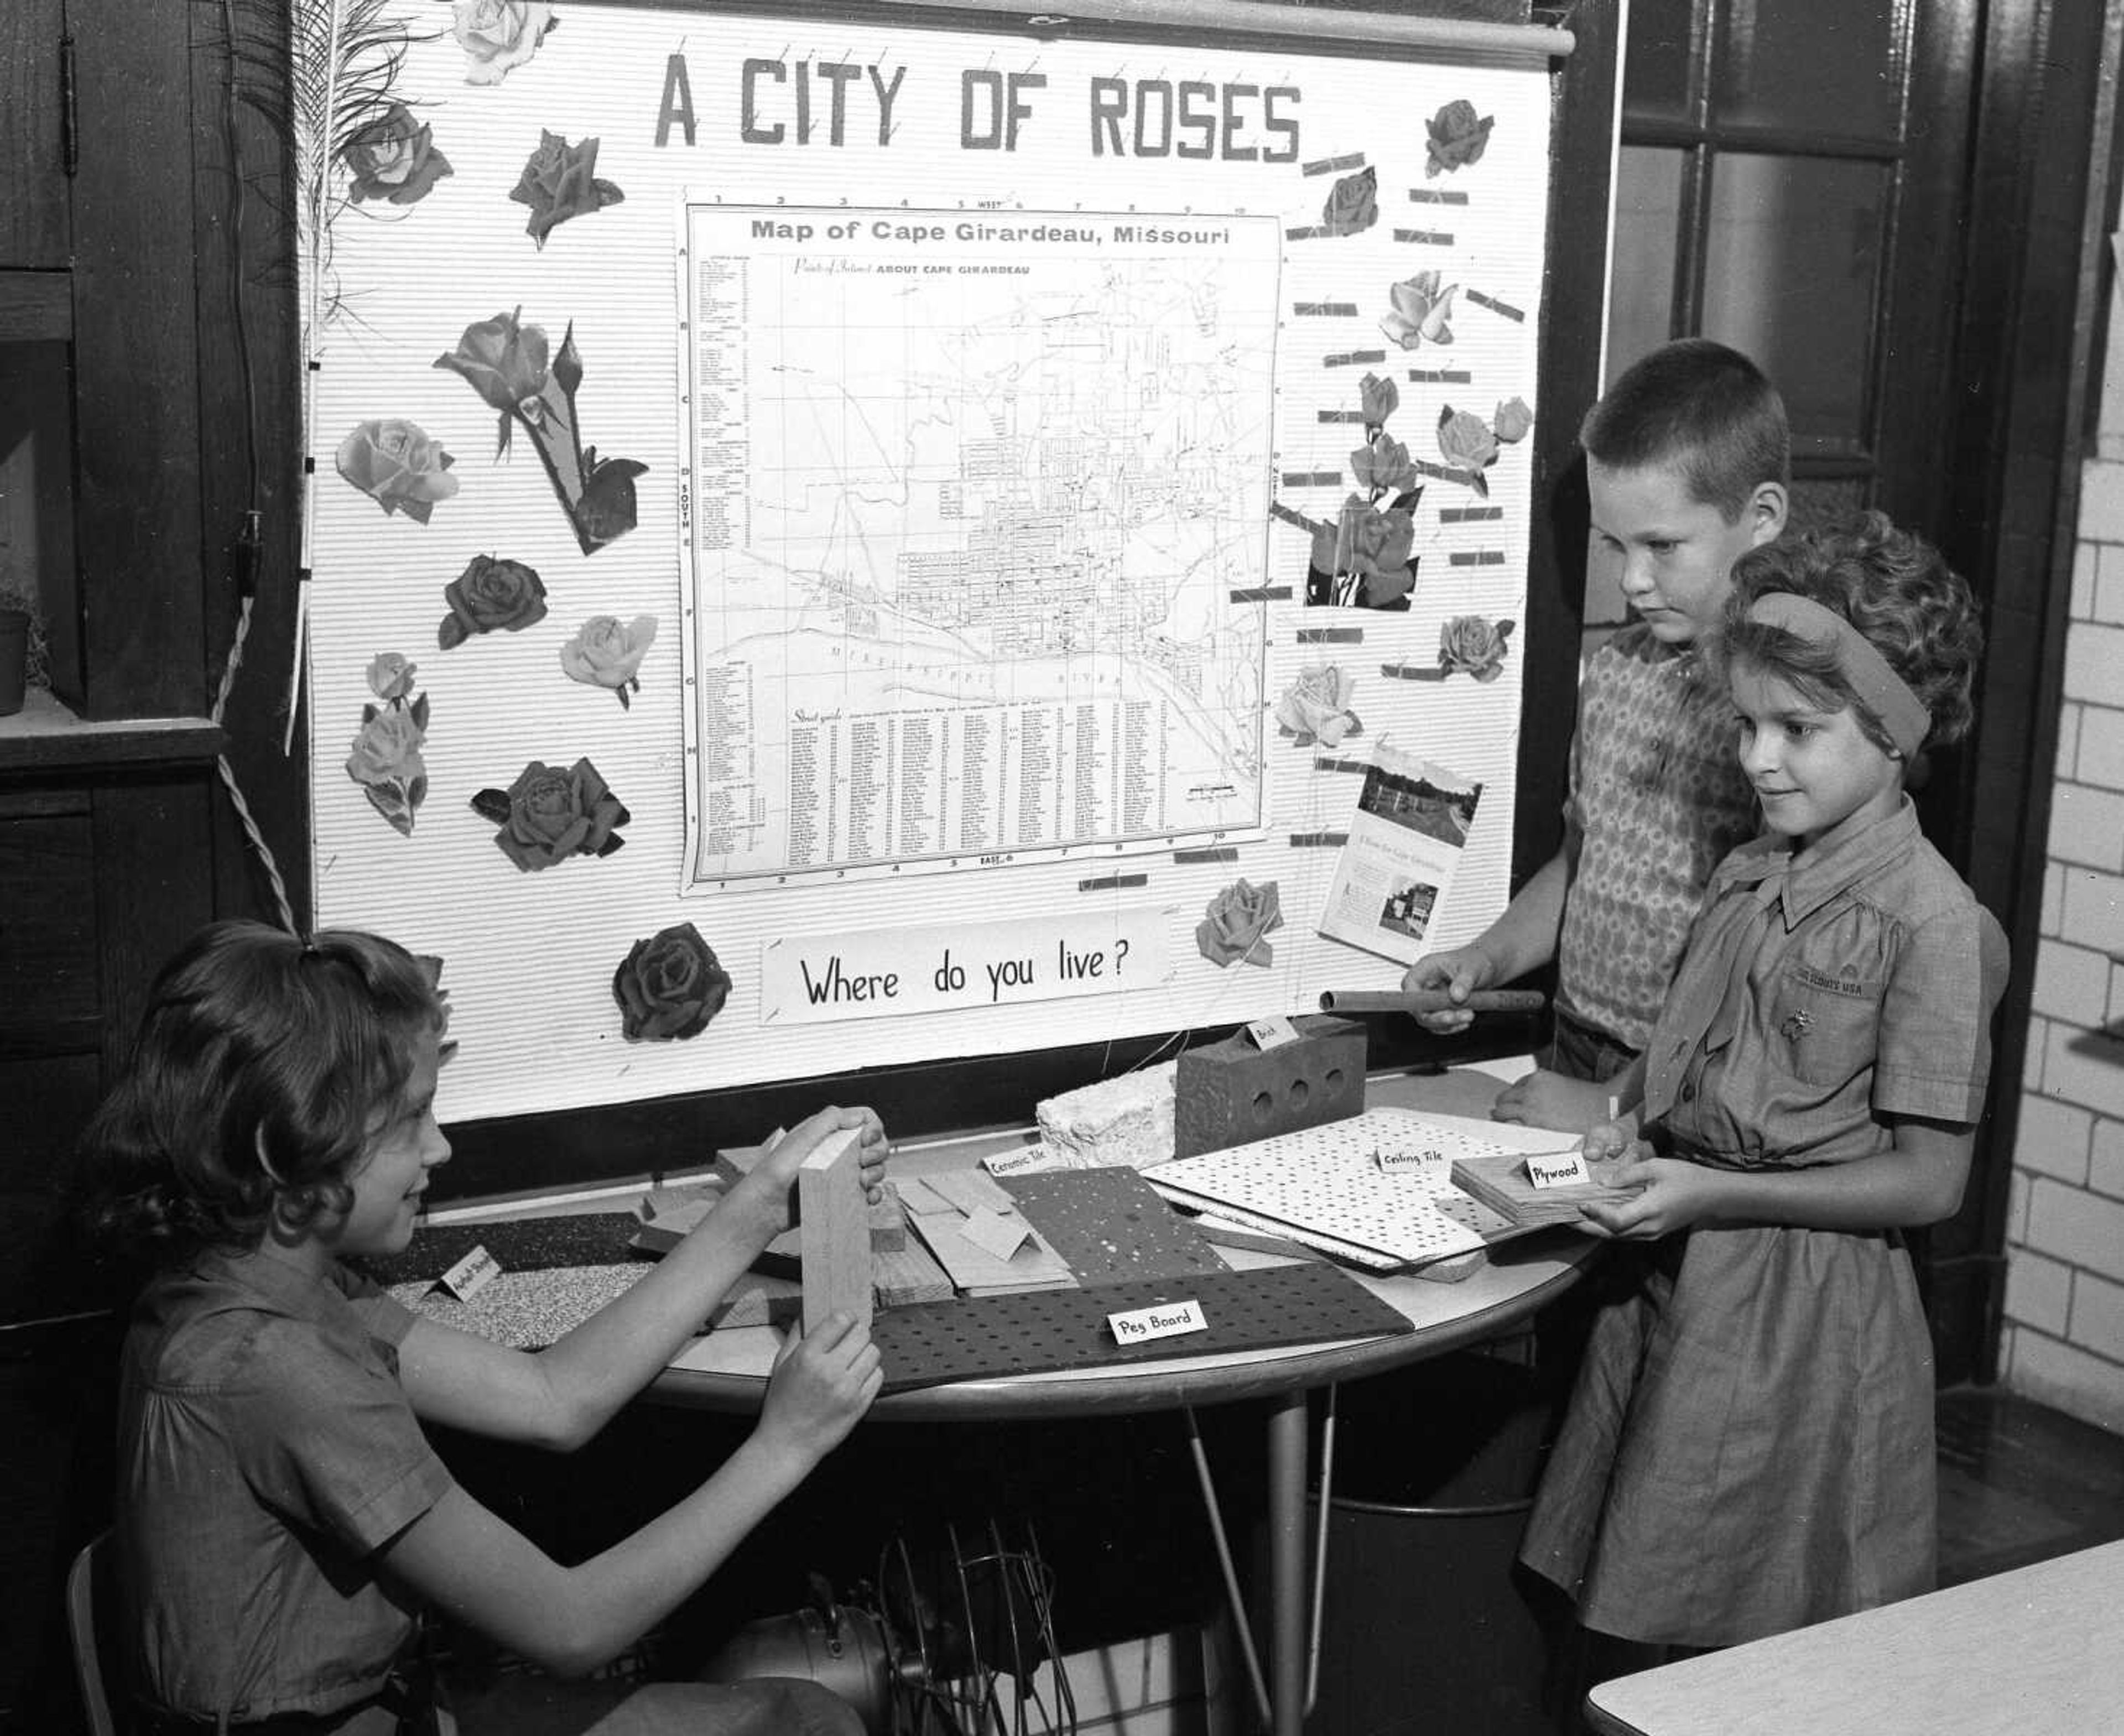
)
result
[(1284, 1697), (1236, 1604), (1286, 1563)]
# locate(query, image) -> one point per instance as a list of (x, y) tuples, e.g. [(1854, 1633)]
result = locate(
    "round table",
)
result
[(727, 1371)]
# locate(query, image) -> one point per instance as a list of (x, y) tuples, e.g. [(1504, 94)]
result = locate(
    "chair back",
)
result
[(89, 1626)]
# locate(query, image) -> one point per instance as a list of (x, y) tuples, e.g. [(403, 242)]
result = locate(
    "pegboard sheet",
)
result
[(1042, 1331), (1325, 1184)]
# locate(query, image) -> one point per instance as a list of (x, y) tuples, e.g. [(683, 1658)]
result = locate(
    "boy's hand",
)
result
[(1550, 1100), (820, 1387), (1459, 972), (767, 1191), (1672, 1194)]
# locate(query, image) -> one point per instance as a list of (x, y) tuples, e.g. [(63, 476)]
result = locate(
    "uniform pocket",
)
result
[(1826, 1027)]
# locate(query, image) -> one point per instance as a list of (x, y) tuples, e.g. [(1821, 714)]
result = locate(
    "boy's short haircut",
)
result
[(266, 1063), (1890, 585), (1701, 410)]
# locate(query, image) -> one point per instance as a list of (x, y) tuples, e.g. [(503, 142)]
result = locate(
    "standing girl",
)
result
[(279, 1512), (1749, 1445)]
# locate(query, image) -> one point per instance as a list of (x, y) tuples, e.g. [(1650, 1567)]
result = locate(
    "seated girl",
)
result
[(280, 1516)]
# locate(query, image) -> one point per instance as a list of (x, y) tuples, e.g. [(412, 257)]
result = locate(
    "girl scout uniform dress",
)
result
[(1750, 1446)]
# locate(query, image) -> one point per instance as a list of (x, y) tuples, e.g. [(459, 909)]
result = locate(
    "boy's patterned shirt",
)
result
[(1657, 800)]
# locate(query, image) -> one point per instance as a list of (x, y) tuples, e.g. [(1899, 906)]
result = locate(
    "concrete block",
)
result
[(2087, 826), (2093, 912), (2105, 1168), (2109, 584), (2082, 1229), (2084, 556), (2038, 1291), (2098, 1316), (2102, 502), (2094, 662), (2100, 761), (1230, 1093), (2052, 1139), (2085, 1067), (2067, 1378), (2071, 983)]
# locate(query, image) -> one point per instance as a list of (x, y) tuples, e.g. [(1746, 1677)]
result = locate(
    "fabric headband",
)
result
[(1884, 692)]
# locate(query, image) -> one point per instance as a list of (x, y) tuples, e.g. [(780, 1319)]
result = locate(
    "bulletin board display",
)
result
[(840, 543)]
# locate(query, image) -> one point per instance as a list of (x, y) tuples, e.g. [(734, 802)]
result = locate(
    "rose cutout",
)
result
[(669, 986), (508, 363), (604, 653), (1465, 441), (1234, 929), (1353, 205), (552, 813), (391, 676), (395, 464), (1512, 421), (560, 181), (1383, 465), (1317, 705), (489, 596), (1471, 644), (393, 157), (499, 35), (1422, 305), (386, 762), (1457, 138), (1378, 398)]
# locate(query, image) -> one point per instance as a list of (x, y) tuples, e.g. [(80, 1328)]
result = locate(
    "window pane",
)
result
[(1790, 266), (1816, 66), (1641, 281), (1656, 60)]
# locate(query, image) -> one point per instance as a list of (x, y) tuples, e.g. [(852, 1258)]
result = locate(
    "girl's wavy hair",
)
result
[(264, 1065), (1894, 587)]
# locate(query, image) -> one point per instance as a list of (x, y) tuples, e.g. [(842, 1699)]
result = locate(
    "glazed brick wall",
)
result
[(2064, 1341)]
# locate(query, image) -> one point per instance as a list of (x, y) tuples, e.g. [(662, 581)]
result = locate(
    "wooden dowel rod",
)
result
[(1432, 1000)]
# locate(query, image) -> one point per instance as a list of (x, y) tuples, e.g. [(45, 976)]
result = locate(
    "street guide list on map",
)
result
[(974, 506)]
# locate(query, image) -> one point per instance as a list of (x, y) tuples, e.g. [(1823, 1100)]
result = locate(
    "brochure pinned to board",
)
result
[(1405, 842)]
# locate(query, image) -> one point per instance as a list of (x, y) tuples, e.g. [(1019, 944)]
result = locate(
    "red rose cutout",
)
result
[(669, 986)]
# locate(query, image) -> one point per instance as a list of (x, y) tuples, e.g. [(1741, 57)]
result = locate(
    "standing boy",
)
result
[(1688, 461)]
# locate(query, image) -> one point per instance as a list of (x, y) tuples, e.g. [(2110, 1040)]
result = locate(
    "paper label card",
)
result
[(1559, 1170), (1165, 1320), (1271, 1033), (466, 1279)]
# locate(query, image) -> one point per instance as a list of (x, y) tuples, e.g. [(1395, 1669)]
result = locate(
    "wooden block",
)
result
[(1232, 1093), (919, 1198), (668, 1217), (836, 1256), (755, 1300), (888, 1223), (1499, 1182), (910, 1275), (972, 1190), (1035, 1266)]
